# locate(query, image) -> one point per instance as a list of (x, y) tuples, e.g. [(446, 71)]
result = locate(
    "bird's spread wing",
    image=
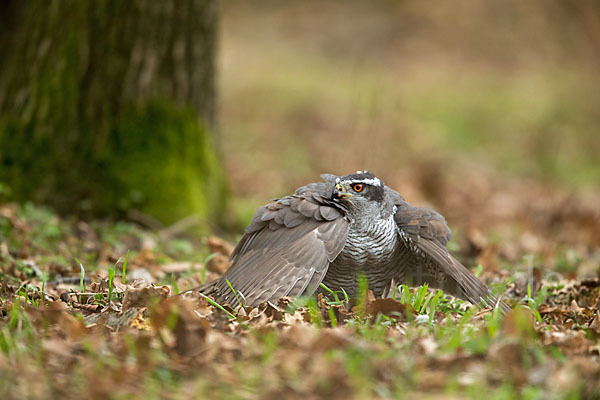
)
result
[(285, 250), (424, 234)]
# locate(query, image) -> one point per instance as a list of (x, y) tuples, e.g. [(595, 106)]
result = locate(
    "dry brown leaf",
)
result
[(334, 338), (519, 323), (389, 307), (218, 245), (570, 342), (177, 267), (139, 322), (219, 263), (57, 316), (595, 324), (176, 319), (509, 357), (113, 320), (142, 297), (145, 258)]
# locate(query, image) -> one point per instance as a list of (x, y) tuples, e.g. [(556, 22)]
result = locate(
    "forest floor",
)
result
[(87, 310), (477, 118)]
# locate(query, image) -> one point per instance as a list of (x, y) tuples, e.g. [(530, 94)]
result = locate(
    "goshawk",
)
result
[(331, 232)]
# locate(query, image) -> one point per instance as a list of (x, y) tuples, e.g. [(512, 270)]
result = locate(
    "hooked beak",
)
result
[(340, 192)]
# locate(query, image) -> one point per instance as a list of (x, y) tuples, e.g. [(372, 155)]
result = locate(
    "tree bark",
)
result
[(77, 81)]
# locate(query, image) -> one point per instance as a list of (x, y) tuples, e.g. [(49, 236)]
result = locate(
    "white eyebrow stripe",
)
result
[(366, 181)]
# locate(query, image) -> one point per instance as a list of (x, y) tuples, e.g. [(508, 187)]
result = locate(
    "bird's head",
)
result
[(361, 193)]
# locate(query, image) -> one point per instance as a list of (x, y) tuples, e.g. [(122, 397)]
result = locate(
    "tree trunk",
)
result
[(107, 105)]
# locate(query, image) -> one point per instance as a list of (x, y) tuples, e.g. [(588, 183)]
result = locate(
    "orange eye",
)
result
[(357, 187)]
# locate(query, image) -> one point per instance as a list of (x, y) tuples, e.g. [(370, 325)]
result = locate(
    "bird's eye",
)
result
[(357, 187)]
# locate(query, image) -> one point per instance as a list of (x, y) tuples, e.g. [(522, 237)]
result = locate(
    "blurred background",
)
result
[(312, 86), (486, 110)]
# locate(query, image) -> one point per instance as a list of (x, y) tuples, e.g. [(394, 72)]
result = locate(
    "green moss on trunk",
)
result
[(163, 162)]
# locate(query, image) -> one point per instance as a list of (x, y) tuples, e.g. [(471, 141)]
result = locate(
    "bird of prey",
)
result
[(331, 232)]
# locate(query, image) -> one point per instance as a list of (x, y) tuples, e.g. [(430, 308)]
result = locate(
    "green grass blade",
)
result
[(43, 285), (217, 305), (111, 278), (81, 279), (125, 267), (235, 294)]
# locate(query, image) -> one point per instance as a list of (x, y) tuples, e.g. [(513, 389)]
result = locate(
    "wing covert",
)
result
[(287, 248), (424, 234)]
